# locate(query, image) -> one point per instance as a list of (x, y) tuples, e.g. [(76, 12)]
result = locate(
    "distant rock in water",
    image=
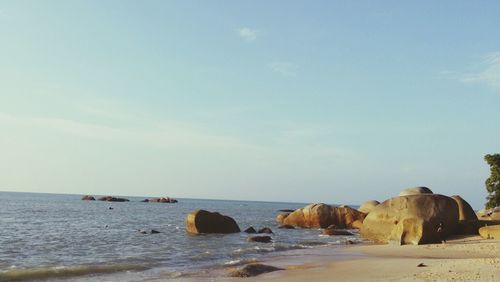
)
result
[(202, 221), (415, 191), (286, 210), (322, 216), (260, 239), (160, 200), (250, 230), (88, 198), (113, 199), (253, 269), (266, 230)]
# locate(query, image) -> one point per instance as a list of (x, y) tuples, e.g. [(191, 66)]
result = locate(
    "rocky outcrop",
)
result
[(113, 199), (253, 269), (465, 211), (202, 221), (490, 232), (368, 206), (413, 219), (322, 216), (88, 198), (160, 200), (415, 191), (281, 217)]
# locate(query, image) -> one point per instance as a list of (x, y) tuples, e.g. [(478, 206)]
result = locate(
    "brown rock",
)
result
[(322, 216), (412, 219), (88, 198), (202, 221), (253, 269), (113, 199), (260, 239), (250, 230), (332, 231), (368, 206), (281, 217)]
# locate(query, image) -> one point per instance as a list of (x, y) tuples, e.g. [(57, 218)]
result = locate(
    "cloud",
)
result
[(248, 34), (284, 68), (488, 71)]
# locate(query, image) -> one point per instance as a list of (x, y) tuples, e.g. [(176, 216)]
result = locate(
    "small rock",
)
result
[(349, 242), (154, 231), (142, 231), (260, 239), (266, 230), (286, 210), (253, 269), (250, 230), (286, 226), (421, 265)]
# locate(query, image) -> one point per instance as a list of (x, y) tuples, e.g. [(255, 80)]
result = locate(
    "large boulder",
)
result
[(202, 221), (368, 206), (322, 216), (490, 232), (415, 191), (413, 219), (465, 211)]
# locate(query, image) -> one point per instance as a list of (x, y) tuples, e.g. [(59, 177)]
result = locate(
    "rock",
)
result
[(286, 211), (412, 219), (350, 242), (281, 217), (421, 265), (357, 224), (286, 226), (265, 230), (368, 206), (253, 269), (154, 231), (465, 211), (490, 232), (112, 199), (142, 231), (202, 221), (415, 191), (333, 231), (260, 239), (250, 230), (88, 198), (160, 200), (322, 216)]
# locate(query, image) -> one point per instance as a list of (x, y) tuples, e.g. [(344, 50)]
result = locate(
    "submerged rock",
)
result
[(202, 221), (265, 230), (253, 269), (260, 239)]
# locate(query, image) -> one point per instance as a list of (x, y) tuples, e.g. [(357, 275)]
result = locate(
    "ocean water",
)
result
[(61, 237)]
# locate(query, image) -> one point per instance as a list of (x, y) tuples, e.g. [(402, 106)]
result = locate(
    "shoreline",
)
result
[(467, 258)]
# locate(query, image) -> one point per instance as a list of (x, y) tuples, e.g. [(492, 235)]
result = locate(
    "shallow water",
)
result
[(50, 236)]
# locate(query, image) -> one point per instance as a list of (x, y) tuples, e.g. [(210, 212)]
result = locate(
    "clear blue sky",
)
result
[(322, 101)]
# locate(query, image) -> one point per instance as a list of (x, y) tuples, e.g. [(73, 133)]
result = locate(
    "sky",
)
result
[(294, 101)]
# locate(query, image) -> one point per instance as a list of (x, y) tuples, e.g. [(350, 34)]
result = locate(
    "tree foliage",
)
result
[(493, 182)]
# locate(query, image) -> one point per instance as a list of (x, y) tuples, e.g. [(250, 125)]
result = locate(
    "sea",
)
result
[(56, 237)]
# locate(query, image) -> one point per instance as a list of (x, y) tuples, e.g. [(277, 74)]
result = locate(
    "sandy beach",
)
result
[(461, 259)]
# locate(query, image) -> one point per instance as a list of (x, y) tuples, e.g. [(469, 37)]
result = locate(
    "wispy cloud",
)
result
[(248, 34), (488, 71), (284, 68)]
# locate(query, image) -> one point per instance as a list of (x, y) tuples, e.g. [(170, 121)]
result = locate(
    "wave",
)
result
[(39, 273)]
